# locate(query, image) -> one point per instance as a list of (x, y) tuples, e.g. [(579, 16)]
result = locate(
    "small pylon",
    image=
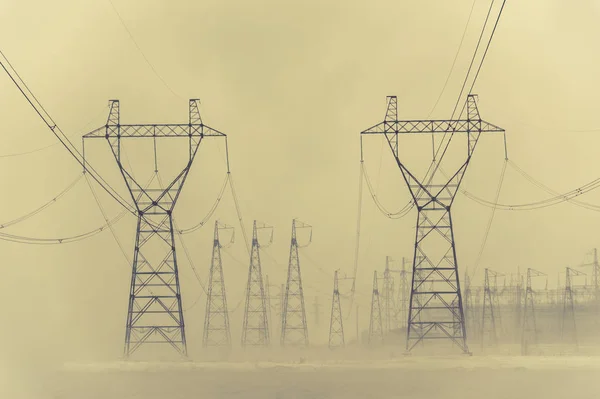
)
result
[(216, 319), (470, 320), (294, 331), (568, 327), (375, 325), (388, 297), (255, 331), (336, 325), (488, 316), (529, 335)]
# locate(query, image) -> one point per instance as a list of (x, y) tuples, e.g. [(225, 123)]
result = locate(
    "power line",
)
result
[(141, 52), (18, 154), (210, 213), (490, 220), (44, 206), (56, 130), (439, 160), (453, 62), (557, 199)]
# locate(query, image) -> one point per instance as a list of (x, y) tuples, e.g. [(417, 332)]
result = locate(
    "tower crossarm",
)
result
[(154, 130), (433, 126)]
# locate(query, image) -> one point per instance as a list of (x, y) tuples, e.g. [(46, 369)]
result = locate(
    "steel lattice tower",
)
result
[(488, 315), (568, 325), (436, 308), (375, 324), (294, 331), (216, 318), (470, 321), (529, 332), (255, 330), (336, 324), (388, 295), (155, 314)]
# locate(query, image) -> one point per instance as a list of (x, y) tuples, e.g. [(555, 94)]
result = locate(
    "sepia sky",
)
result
[(292, 84)]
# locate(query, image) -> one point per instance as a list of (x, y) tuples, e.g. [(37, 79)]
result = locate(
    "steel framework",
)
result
[(568, 325), (490, 312), (255, 331), (216, 317), (529, 333), (389, 319), (336, 324), (294, 331), (436, 309), (375, 322), (155, 314)]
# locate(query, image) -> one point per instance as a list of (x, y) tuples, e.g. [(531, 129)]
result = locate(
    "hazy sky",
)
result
[(292, 84)]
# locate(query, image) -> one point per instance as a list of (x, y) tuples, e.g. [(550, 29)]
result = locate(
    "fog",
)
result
[(293, 84)]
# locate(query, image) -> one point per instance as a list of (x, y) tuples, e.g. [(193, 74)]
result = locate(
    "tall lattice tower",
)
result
[(294, 331), (529, 336), (216, 317), (568, 327), (375, 323), (255, 331), (436, 308), (336, 324), (155, 313)]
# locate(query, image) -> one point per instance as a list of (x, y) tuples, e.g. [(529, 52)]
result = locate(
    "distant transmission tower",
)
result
[(375, 324), (435, 295), (470, 321), (294, 331), (336, 325), (255, 331), (216, 318), (388, 297), (489, 313), (154, 314), (568, 327), (529, 336)]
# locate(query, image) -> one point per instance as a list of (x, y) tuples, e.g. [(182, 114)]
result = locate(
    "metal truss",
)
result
[(336, 324), (155, 314), (436, 309), (490, 312), (529, 334), (255, 331), (216, 317), (375, 322), (568, 326), (294, 331)]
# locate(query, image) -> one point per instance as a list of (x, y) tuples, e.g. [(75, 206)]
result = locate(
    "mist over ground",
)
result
[(293, 84)]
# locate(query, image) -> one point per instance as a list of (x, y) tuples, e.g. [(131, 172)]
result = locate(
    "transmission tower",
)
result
[(403, 295), (529, 332), (375, 325), (336, 325), (490, 310), (154, 314), (268, 300), (436, 308), (255, 331), (568, 325), (470, 321), (595, 281), (216, 318), (388, 295), (293, 325)]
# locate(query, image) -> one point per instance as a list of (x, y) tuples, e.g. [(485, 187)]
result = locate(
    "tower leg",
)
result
[(155, 314), (436, 309)]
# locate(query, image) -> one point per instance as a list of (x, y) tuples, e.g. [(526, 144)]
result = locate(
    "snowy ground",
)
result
[(409, 377)]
